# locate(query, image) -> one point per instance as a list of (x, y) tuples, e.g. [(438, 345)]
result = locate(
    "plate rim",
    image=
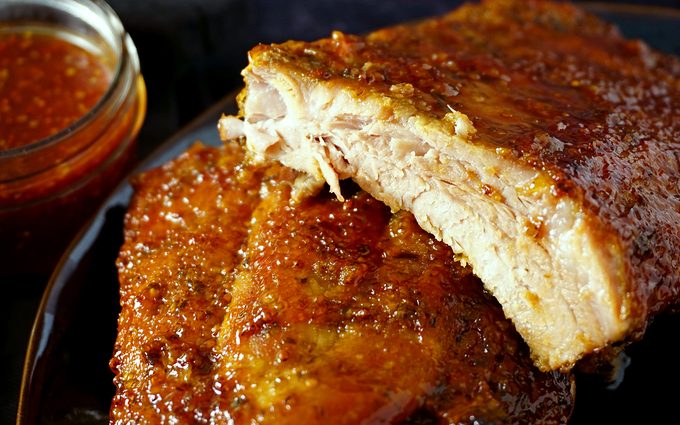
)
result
[(629, 8)]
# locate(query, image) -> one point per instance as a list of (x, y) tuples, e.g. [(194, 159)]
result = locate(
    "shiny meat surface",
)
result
[(530, 136), (239, 306), (182, 238)]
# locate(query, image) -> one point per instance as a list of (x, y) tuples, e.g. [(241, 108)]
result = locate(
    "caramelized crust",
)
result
[(519, 70), (239, 306), (183, 233), (550, 113)]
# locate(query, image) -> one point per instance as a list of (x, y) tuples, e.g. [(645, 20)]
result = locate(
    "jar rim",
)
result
[(121, 56)]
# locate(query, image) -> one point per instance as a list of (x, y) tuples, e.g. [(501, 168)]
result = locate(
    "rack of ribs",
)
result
[(240, 305), (529, 136)]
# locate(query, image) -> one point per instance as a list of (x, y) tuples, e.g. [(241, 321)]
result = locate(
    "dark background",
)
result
[(191, 52)]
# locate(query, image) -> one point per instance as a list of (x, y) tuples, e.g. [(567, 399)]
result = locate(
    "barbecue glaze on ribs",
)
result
[(239, 306), (530, 136)]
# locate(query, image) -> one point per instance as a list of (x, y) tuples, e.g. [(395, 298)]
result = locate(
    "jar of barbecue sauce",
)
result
[(72, 101)]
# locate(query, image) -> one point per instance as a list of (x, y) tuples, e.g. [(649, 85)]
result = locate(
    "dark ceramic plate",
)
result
[(66, 376)]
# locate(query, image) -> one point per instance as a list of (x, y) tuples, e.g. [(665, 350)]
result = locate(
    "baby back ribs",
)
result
[(241, 307), (530, 136)]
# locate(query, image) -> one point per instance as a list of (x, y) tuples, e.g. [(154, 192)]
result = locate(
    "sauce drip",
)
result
[(46, 84)]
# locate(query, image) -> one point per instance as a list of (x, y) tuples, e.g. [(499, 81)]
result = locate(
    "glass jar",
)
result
[(49, 187)]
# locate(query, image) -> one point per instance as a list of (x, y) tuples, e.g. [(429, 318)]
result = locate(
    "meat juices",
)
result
[(530, 136), (240, 306)]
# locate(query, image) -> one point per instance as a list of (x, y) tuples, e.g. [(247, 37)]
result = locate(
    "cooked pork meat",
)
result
[(531, 137), (240, 306)]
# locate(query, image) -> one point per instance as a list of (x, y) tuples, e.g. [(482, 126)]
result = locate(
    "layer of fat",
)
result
[(536, 253)]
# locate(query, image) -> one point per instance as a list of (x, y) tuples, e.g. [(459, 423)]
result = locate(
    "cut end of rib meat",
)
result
[(540, 254), (530, 137)]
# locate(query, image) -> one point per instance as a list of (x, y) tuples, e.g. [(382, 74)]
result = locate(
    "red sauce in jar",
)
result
[(46, 84), (70, 111)]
